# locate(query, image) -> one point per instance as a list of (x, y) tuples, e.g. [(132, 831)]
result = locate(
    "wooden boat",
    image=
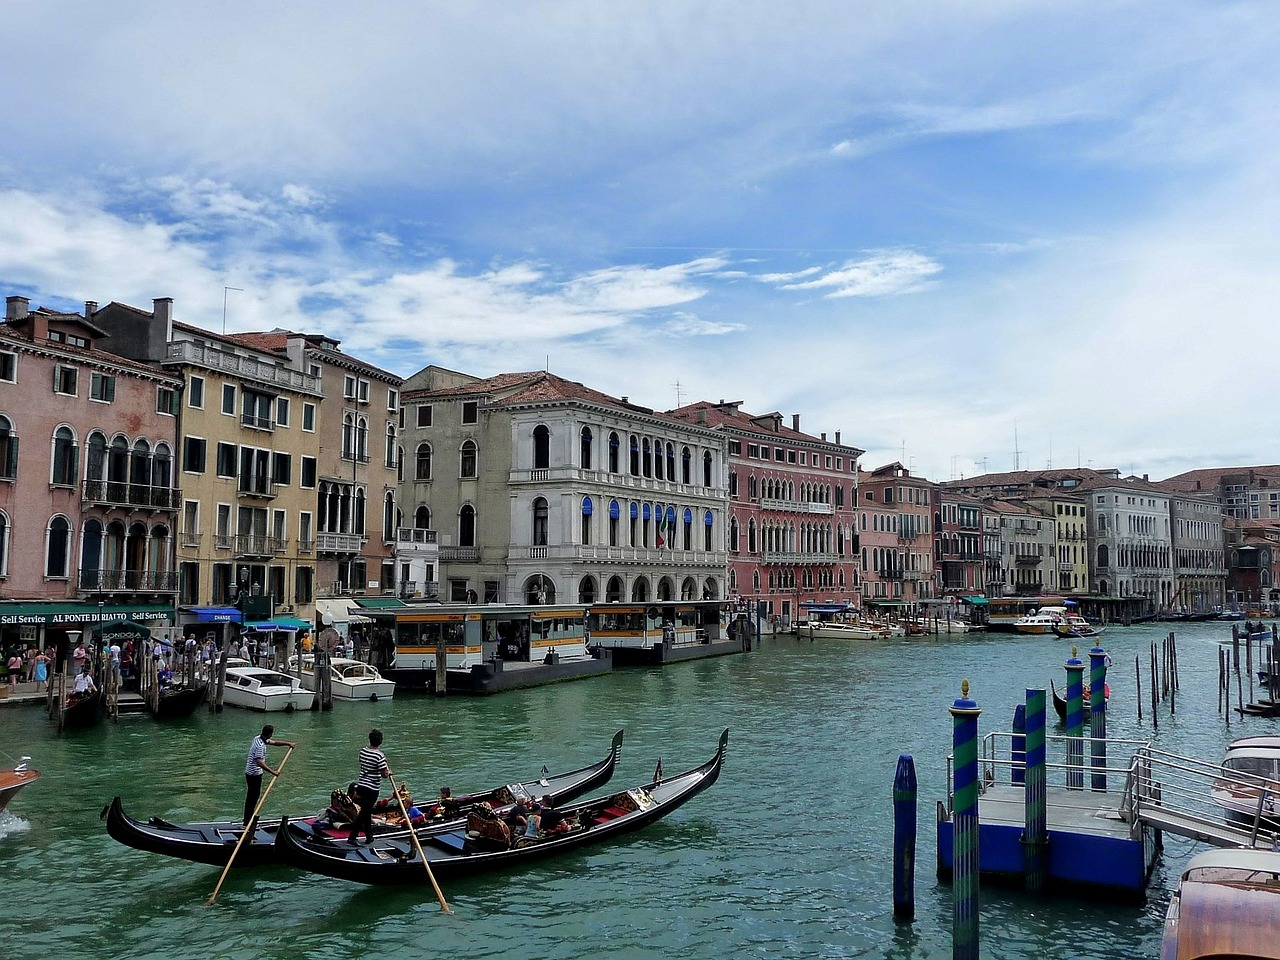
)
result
[(212, 841), (1060, 703), (11, 781), (84, 709), (1076, 631), (1227, 904), (458, 851), (179, 700)]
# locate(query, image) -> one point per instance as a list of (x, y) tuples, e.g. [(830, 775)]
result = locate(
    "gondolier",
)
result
[(256, 763), (373, 770)]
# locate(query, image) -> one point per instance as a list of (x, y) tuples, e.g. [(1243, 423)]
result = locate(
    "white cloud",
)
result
[(882, 275), (689, 325)]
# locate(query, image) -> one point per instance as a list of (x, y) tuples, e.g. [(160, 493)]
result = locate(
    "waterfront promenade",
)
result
[(787, 856)]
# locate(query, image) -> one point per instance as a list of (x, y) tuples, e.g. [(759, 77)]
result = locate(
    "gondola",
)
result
[(1073, 632), (456, 851), (84, 709), (180, 700), (1060, 705), (213, 842)]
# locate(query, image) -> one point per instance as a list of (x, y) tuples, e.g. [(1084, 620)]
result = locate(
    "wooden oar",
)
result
[(413, 835), (249, 828)]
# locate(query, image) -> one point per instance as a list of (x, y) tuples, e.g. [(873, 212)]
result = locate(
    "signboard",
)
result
[(62, 614)]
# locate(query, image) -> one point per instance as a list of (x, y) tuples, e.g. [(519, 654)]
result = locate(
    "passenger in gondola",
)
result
[(517, 818), (552, 820), (84, 681), (445, 805)]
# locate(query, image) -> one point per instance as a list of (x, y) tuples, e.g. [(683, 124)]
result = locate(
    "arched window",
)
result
[(422, 517), (541, 447), (467, 526), (139, 469), (733, 534), (752, 488), (708, 524), (156, 576), (91, 555), (8, 450), (348, 436), (615, 514), (95, 466), (57, 548), (613, 452), (539, 590), (64, 460), (586, 521), (586, 448), (751, 535), (587, 590), (161, 473), (389, 447), (706, 469), (640, 590), (686, 462), (362, 439), (614, 591), (113, 556), (540, 515), (657, 461), (467, 461), (688, 529), (671, 462), (646, 458), (359, 528), (389, 517), (4, 544), (422, 462), (635, 456)]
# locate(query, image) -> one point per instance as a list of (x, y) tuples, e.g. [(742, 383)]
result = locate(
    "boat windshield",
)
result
[(1254, 766), (274, 680)]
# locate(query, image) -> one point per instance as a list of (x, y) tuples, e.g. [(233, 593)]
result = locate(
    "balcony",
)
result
[(796, 506), (891, 574), (407, 535), (306, 546), (223, 541), (460, 554), (793, 556), (254, 545), (189, 539), (137, 496), (413, 590), (907, 536), (1027, 559), (188, 351), (132, 581), (256, 485), (254, 422), (339, 542)]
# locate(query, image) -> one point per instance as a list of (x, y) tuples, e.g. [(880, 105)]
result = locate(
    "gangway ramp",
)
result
[(1201, 801)]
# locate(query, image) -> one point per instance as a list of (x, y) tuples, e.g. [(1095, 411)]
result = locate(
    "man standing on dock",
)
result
[(256, 764)]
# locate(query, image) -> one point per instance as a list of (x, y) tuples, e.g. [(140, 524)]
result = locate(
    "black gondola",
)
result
[(180, 701), (84, 710), (1076, 633), (1060, 705), (456, 851), (213, 842)]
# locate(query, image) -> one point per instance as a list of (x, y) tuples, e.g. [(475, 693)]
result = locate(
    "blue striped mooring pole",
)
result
[(1018, 745), (964, 827), (1075, 721), (904, 839), (1098, 717), (1036, 837)]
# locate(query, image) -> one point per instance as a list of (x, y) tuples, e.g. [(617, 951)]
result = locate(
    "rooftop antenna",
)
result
[(548, 363), (677, 386), (1017, 462), (224, 305)]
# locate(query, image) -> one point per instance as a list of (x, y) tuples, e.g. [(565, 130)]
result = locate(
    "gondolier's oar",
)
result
[(249, 828), (413, 835)]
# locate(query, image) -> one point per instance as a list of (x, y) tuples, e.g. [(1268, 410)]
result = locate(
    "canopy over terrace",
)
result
[(342, 612)]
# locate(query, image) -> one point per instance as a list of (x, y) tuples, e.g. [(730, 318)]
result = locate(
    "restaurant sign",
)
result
[(67, 614)]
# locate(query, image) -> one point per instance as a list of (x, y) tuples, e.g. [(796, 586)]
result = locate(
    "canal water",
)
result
[(788, 855)]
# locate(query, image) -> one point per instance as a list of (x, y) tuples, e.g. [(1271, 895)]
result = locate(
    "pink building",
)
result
[(88, 505)]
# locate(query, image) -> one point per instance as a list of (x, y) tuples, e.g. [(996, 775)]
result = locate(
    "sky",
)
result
[(972, 237)]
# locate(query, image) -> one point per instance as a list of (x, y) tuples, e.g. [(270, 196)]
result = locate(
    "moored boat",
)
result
[(1076, 629), (1249, 788), (180, 700), (258, 688), (11, 781), (84, 709), (1227, 904), (349, 679), (458, 851), (212, 842), (1060, 703), (842, 630)]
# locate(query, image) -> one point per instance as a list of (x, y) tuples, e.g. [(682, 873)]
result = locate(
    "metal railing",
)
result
[(414, 535), (138, 581), (339, 542), (255, 545), (117, 493), (189, 351)]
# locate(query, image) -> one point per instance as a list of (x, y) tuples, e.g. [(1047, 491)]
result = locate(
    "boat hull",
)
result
[(11, 781)]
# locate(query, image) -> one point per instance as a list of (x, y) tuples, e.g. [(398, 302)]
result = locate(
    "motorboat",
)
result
[(349, 679), (259, 688), (1249, 788), (1227, 904), (11, 781), (1060, 620), (842, 630)]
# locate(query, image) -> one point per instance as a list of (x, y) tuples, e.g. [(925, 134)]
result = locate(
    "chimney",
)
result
[(795, 422), (837, 436), (624, 399), (823, 435), (162, 310), (90, 308), (16, 308)]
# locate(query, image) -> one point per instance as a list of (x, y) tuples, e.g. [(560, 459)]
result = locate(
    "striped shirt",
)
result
[(373, 763), (257, 751)]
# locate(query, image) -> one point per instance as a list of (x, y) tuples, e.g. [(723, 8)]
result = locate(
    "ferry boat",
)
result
[(349, 679), (1227, 904), (258, 688)]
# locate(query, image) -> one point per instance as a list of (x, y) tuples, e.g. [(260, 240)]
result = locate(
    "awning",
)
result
[(976, 601), (379, 603), (120, 630), (814, 606), (342, 609), (887, 603), (278, 623), (216, 614), (65, 614)]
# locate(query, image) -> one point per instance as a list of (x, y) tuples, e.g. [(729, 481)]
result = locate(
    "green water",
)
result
[(787, 856)]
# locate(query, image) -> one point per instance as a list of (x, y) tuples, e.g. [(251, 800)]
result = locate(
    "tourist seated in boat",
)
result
[(445, 806), (552, 821), (486, 831), (517, 817)]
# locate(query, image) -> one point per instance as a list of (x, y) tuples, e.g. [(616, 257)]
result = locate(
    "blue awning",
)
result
[(278, 623), (216, 614)]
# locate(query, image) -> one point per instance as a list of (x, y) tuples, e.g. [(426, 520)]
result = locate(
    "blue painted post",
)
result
[(904, 839), (1075, 722), (1018, 746), (1036, 837), (1098, 717), (964, 828)]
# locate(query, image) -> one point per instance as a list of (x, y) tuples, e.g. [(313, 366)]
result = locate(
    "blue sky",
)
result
[(932, 226)]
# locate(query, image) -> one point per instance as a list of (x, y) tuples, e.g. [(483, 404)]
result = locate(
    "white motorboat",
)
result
[(257, 688), (842, 630), (1250, 785), (350, 679)]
